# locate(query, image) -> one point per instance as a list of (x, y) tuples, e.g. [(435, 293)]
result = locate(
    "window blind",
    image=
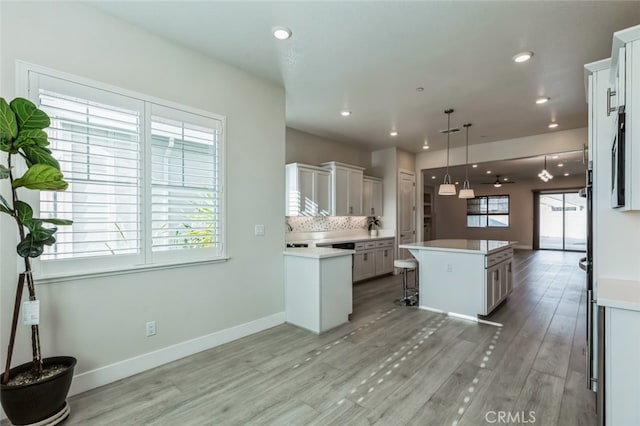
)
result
[(98, 147), (185, 190)]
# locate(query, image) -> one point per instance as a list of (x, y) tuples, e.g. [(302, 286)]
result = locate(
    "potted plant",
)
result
[(34, 392), (373, 223)]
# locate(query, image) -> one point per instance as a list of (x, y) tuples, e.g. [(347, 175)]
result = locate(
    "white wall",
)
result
[(302, 147), (101, 320)]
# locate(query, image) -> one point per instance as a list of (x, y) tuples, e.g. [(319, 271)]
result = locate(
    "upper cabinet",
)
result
[(346, 189), (371, 196), (624, 80), (308, 190)]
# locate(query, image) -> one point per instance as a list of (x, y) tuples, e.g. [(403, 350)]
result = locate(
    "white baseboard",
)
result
[(128, 367)]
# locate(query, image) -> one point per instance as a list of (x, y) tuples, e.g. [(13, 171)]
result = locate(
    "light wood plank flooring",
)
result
[(391, 365)]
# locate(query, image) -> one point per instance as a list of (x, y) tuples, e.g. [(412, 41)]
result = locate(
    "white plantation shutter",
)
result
[(98, 147), (145, 179), (185, 188)]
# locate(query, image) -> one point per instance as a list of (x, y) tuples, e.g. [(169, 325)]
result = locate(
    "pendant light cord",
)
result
[(447, 177)]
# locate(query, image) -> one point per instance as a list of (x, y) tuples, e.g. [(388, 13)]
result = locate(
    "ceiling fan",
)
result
[(498, 183)]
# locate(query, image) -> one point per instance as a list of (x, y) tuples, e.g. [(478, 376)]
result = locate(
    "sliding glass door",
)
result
[(562, 221)]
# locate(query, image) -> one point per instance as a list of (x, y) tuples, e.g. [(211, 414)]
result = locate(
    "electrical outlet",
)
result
[(449, 267), (151, 328), (259, 230)]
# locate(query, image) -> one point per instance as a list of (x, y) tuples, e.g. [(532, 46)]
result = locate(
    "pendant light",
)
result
[(447, 188), (544, 175), (466, 191)]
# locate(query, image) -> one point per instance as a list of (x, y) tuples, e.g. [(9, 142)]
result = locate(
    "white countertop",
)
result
[(622, 294), (317, 252), (477, 246)]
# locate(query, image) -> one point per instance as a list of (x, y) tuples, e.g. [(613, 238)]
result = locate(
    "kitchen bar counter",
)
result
[(463, 277), (460, 245)]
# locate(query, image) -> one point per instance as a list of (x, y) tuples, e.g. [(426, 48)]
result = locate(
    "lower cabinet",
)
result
[(498, 284), (364, 265), (373, 258), (384, 261)]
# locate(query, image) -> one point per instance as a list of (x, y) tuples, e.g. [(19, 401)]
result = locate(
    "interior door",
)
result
[(406, 211)]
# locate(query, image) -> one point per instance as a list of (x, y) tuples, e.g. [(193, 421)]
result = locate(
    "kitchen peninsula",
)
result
[(463, 277)]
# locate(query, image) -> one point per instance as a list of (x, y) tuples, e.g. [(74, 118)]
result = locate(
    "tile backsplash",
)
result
[(326, 223)]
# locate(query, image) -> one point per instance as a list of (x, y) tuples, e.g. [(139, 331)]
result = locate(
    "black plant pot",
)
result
[(31, 403)]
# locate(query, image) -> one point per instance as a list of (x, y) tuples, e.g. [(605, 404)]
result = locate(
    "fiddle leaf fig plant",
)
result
[(22, 134)]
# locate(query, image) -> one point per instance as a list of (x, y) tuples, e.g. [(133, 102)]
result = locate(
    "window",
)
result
[(145, 178), (488, 211)]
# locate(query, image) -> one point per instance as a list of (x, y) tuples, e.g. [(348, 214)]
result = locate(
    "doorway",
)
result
[(561, 221), (406, 211)]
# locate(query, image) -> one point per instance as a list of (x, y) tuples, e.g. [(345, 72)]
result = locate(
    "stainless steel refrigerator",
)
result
[(595, 316)]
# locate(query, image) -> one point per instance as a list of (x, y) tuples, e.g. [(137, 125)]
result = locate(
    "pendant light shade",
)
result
[(447, 188), (466, 191)]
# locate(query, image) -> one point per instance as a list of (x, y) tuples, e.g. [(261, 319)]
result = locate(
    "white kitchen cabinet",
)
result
[(371, 196), (364, 265), (318, 288), (624, 79), (308, 190), (384, 261), (346, 189), (620, 301)]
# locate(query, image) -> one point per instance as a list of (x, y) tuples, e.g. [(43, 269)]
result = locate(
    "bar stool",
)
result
[(408, 265)]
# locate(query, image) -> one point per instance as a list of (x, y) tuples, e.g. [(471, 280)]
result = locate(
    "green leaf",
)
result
[(28, 115), (29, 247), (43, 234), (23, 211), (42, 177), (5, 207), (4, 172), (31, 137), (57, 221), (39, 155), (8, 124)]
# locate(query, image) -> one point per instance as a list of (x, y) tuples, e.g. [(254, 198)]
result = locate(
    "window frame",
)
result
[(487, 214), (76, 268)]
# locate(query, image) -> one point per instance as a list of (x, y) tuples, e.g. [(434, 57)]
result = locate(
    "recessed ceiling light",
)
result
[(474, 166), (542, 100), (555, 157), (420, 89), (560, 165), (522, 57), (425, 146), (566, 174), (345, 113), (281, 33), (393, 133), (553, 125), (488, 172), (433, 177), (457, 183), (505, 179)]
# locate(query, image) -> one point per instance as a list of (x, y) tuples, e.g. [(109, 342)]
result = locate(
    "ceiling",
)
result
[(370, 57), (517, 170)]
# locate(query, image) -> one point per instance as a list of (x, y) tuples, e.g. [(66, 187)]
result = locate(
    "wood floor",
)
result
[(391, 365)]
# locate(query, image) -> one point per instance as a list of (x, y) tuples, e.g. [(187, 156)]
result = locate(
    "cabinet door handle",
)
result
[(365, 257), (610, 93), (372, 211), (350, 210), (385, 253)]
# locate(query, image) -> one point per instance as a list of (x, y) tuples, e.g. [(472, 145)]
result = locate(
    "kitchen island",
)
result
[(463, 277), (318, 289)]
